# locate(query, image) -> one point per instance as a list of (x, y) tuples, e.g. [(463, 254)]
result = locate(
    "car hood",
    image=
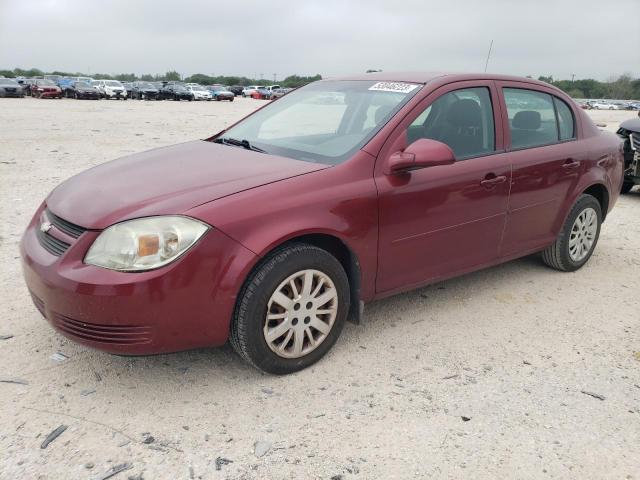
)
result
[(169, 180), (632, 124)]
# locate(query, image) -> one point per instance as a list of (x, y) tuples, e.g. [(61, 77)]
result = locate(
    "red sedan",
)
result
[(45, 89), (273, 233)]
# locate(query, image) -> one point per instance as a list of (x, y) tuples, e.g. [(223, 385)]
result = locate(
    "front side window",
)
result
[(532, 118), (463, 119), (324, 122)]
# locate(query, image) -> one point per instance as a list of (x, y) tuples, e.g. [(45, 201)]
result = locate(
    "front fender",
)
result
[(340, 202)]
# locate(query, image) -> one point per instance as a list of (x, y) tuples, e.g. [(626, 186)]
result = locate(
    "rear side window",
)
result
[(532, 118), (566, 124), (537, 118)]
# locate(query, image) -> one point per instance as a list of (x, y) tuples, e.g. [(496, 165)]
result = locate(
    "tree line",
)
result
[(624, 87), (292, 81)]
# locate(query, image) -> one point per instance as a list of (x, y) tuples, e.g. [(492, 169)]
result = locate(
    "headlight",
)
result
[(145, 243)]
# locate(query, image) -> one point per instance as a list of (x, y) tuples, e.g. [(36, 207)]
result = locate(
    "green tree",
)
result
[(172, 76)]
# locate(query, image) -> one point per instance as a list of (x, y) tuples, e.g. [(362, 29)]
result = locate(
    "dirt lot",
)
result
[(482, 376)]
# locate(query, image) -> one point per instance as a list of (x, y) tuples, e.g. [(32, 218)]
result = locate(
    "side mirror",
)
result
[(422, 153)]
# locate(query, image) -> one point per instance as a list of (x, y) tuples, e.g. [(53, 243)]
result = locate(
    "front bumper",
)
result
[(186, 304), (115, 94), (91, 95), (13, 93), (49, 93)]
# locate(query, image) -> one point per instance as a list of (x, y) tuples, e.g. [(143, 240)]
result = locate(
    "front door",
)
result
[(440, 221)]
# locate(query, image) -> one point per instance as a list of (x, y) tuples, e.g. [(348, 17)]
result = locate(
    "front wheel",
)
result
[(291, 309), (578, 237)]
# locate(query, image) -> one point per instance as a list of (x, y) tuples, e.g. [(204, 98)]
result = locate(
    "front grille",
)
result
[(52, 244), (635, 141), (111, 334), (67, 227)]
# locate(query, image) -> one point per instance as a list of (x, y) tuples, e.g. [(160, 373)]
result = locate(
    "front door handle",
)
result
[(490, 181), (570, 164)]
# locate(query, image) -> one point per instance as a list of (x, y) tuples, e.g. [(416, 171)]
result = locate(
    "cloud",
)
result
[(329, 37)]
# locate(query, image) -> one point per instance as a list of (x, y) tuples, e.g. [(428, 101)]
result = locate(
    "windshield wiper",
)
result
[(238, 143)]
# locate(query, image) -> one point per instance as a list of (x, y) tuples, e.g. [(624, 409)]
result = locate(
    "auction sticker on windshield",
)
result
[(393, 87)]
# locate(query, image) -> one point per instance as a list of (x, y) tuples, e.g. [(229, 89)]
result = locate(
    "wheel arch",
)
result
[(341, 251), (601, 193)]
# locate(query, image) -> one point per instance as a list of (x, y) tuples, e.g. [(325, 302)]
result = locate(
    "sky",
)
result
[(588, 38)]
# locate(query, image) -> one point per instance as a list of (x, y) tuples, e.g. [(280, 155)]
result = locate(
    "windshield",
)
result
[(8, 81), (48, 83), (82, 85), (324, 122), (145, 85), (112, 83)]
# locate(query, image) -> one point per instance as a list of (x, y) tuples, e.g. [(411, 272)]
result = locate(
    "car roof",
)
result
[(426, 77)]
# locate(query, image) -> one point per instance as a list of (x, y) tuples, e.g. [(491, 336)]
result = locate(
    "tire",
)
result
[(76, 96), (558, 254), (248, 324), (232, 99), (626, 187)]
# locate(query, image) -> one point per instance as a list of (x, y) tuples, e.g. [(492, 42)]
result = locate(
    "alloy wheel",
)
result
[(583, 234), (300, 313)]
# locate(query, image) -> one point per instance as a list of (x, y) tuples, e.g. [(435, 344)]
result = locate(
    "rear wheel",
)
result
[(578, 237), (291, 310), (626, 187)]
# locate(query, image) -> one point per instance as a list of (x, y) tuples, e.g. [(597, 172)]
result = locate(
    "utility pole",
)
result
[(274, 78), (261, 76), (573, 75)]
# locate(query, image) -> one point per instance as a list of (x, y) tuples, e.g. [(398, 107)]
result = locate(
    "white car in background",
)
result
[(600, 105), (199, 92), (110, 89), (249, 90)]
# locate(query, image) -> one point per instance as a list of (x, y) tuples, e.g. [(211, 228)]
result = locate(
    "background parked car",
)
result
[(175, 91), (249, 90), (128, 87), (27, 83), (279, 92), (199, 92), (82, 90), (629, 131), (261, 93), (45, 89), (221, 93), (602, 105), (145, 91), (10, 88), (236, 89), (110, 89)]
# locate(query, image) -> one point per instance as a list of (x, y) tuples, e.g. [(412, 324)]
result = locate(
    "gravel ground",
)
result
[(483, 376)]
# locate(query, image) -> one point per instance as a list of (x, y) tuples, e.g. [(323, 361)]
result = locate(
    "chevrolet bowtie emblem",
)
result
[(45, 227)]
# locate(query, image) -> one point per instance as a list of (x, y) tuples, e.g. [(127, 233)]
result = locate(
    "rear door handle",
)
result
[(491, 181), (570, 164)]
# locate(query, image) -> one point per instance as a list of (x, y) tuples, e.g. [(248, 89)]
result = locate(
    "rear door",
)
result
[(540, 134)]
